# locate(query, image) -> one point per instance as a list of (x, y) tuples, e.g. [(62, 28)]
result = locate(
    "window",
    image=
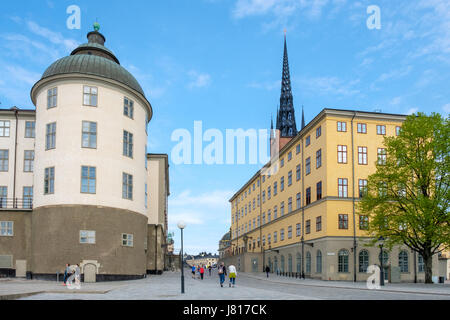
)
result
[(318, 132), (275, 237), (263, 179), (421, 263), (308, 262), (319, 223), (127, 186), (89, 135), (282, 209), (282, 163), (88, 179), (308, 165), (3, 196), (128, 108), (127, 240), (269, 215), (343, 261), (269, 192), (127, 144), (381, 156), (6, 228), (290, 232), (298, 172), (342, 188), (52, 97), (298, 229), (403, 261), (342, 154), (319, 190), (299, 200), (362, 155), (264, 218), (363, 261), (290, 178), (5, 127), (282, 184), (308, 140), (87, 237), (362, 183), (308, 195), (297, 149), (343, 221), (381, 130), (50, 136), (264, 196), (49, 180), (397, 130), (90, 96), (30, 129), (28, 161), (282, 235), (4, 160), (342, 126), (275, 212), (308, 226), (275, 189), (363, 222), (290, 156), (27, 197), (264, 241), (269, 238), (362, 128), (319, 158), (319, 261)]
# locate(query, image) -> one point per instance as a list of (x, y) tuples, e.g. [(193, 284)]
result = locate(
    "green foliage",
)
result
[(407, 199)]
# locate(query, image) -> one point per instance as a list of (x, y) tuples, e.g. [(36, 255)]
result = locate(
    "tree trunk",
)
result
[(428, 262)]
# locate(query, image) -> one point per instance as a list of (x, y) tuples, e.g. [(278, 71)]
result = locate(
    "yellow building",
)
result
[(305, 204)]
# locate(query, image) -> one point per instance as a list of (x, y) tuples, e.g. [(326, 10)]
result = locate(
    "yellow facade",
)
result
[(331, 204)]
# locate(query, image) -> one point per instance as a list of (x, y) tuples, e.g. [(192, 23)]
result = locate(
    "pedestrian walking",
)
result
[(267, 271), (193, 272), (233, 274), (66, 273), (222, 270), (209, 269), (202, 272)]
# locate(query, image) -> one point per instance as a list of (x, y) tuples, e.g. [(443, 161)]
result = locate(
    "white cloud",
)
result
[(53, 37), (412, 110), (395, 74), (269, 86), (198, 80), (330, 85), (446, 108), (396, 101), (22, 75)]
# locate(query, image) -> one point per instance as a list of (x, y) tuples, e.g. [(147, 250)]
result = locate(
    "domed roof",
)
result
[(226, 236), (93, 65), (93, 58)]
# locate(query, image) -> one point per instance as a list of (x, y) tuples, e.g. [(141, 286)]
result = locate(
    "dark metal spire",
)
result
[(286, 115), (303, 118)]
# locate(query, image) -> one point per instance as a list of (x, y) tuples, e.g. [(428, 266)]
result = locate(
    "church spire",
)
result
[(303, 118), (286, 114)]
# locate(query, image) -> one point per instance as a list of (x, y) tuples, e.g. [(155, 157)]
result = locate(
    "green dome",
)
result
[(93, 65)]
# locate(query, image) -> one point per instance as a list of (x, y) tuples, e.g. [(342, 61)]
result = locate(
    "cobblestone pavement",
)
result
[(248, 287)]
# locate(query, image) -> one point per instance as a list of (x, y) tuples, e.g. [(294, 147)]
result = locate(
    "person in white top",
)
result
[(233, 273)]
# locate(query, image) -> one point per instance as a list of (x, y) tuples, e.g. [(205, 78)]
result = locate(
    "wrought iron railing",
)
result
[(16, 203)]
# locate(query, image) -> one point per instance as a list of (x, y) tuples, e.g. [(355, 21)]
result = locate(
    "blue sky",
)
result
[(219, 61)]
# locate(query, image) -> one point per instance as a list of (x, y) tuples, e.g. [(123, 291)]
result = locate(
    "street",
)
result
[(248, 287)]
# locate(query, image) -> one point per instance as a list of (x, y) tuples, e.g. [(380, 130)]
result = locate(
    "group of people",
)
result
[(70, 271), (222, 271), (201, 271)]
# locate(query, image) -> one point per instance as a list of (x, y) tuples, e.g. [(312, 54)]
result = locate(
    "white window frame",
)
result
[(89, 235)]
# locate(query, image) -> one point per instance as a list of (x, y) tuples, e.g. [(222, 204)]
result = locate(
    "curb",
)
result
[(16, 296), (347, 288)]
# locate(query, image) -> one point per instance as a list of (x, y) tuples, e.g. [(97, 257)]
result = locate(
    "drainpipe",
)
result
[(16, 112), (260, 226), (353, 201), (302, 170)]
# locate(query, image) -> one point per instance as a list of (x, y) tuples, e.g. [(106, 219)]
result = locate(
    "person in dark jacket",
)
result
[(222, 270), (267, 271)]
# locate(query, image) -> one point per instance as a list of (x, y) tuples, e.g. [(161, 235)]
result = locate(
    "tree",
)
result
[(407, 199)]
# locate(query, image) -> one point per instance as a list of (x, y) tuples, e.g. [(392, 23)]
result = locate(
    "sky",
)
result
[(220, 62)]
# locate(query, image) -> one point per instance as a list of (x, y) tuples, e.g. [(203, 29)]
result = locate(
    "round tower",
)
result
[(90, 166)]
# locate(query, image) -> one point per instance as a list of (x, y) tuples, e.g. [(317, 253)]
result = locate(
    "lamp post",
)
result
[(182, 225), (381, 239)]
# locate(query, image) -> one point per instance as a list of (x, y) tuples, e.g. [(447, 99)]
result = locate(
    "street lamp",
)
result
[(381, 239), (182, 225)]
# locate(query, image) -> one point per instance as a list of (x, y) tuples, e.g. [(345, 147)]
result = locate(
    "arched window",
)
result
[(291, 132), (343, 261), (282, 263), (363, 260), (275, 262), (403, 261), (290, 116), (385, 258), (308, 262), (319, 261), (421, 263), (290, 263), (299, 262)]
